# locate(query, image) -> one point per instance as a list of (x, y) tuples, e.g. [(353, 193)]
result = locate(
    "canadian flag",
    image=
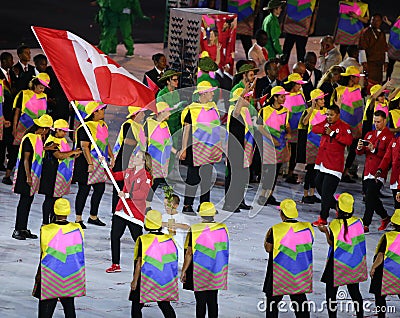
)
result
[(86, 73)]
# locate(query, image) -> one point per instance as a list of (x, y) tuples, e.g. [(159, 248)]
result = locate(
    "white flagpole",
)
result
[(130, 218)]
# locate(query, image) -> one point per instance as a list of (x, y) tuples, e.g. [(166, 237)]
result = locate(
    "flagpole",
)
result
[(105, 166)]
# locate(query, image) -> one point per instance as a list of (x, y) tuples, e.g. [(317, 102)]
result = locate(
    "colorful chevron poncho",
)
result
[(62, 264), (298, 16), (65, 167), (249, 141), (313, 139), (37, 161), (391, 265), (394, 41), (138, 134), (206, 132), (275, 122), (349, 29), (33, 106), (159, 271), (349, 262), (352, 108), (159, 146), (81, 108), (295, 104), (292, 258), (395, 114), (210, 244), (243, 8)]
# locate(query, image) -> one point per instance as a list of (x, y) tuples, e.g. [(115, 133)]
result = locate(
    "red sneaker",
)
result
[(319, 222), (115, 268), (366, 229), (385, 222)]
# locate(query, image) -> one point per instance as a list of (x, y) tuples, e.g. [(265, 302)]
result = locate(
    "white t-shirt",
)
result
[(180, 233)]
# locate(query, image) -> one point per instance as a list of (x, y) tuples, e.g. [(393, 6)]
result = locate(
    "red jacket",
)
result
[(331, 149), (138, 186), (373, 159), (392, 156)]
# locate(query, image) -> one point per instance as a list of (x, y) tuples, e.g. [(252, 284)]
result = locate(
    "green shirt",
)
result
[(253, 112), (171, 98), (273, 29)]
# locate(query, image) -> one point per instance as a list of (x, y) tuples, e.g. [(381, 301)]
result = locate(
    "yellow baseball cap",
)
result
[(317, 94), (207, 209), (397, 96), (61, 124), (44, 121), (62, 207), (236, 94), (396, 217), (376, 88), (346, 202), (204, 87), (133, 110), (352, 71), (288, 207), (278, 90), (153, 220), (295, 77), (93, 106), (44, 79)]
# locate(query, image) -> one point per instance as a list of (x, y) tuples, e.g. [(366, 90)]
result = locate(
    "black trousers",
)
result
[(373, 202), (12, 156), (270, 175), (355, 295), (246, 42), (293, 155), (47, 307), (206, 300), (6, 144), (380, 303), (236, 180), (309, 178), (343, 50), (198, 175), (156, 184), (48, 209), (300, 41), (351, 155), (326, 185), (118, 227), (299, 302), (255, 167), (115, 197), (396, 203), (136, 311), (83, 193), (23, 209), (390, 68)]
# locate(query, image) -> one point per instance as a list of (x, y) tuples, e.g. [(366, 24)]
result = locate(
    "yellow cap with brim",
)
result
[(61, 124), (278, 90), (204, 87), (296, 78), (317, 94), (162, 107), (133, 110), (62, 207), (395, 219), (44, 79), (352, 71), (289, 209), (44, 121), (207, 209), (346, 202), (153, 220), (376, 88), (396, 97), (236, 94), (93, 106)]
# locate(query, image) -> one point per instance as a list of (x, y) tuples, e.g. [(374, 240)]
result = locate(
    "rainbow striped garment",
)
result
[(138, 134), (249, 141), (292, 258), (349, 262), (243, 8), (275, 122), (298, 16), (210, 244), (65, 167), (33, 106), (318, 116), (37, 161), (395, 114), (206, 132), (159, 146), (394, 41), (391, 264), (81, 108), (62, 262), (159, 271), (352, 108), (349, 29)]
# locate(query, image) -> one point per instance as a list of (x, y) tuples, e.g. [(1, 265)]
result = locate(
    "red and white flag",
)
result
[(86, 73), (153, 86)]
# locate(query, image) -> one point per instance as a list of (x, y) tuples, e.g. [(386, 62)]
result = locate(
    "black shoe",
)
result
[(316, 199), (96, 222), (231, 209), (347, 179), (307, 200), (18, 235), (292, 180), (28, 234), (272, 201), (7, 180), (83, 226), (244, 206), (188, 210)]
